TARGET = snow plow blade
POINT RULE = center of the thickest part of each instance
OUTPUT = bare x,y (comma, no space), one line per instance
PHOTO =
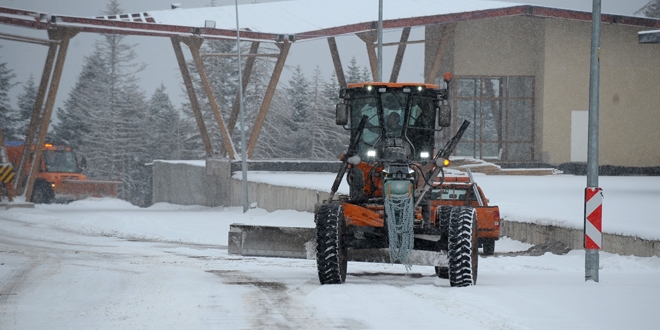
299,243
81,189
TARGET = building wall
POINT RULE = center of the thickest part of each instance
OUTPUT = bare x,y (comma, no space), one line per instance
507,46
556,52
629,92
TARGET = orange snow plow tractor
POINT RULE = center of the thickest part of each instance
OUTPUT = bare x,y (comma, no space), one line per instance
394,211
59,175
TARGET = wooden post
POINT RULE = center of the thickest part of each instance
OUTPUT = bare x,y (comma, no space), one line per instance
194,103
270,91
336,60
194,43
447,33
37,113
247,71
64,35
405,34
369,39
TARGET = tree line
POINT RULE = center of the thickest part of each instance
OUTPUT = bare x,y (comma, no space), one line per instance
108,118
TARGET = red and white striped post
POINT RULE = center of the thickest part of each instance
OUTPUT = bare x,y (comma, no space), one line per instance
593,218
593,229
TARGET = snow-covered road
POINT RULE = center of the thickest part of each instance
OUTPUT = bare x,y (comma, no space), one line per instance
108,265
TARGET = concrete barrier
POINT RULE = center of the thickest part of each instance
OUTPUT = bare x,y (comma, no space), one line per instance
574,238
212,185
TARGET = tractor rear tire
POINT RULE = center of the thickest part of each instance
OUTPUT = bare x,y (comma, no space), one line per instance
331,250
463,247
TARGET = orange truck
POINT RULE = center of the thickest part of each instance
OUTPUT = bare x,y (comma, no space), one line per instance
463,191
59,175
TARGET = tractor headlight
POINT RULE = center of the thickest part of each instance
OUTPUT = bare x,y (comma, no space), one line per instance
424,154
371,153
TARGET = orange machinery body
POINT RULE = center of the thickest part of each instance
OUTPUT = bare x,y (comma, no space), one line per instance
66,185
373,215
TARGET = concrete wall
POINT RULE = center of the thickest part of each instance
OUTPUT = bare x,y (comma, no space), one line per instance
574,239
212,186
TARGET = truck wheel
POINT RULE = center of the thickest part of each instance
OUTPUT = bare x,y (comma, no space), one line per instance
442,272
331,252
41,193
442,219
489,247
463,248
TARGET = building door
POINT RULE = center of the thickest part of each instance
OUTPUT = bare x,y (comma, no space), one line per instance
501,112
579,136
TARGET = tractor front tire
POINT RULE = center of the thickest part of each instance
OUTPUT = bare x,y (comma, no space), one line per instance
331,250
42,193
463,247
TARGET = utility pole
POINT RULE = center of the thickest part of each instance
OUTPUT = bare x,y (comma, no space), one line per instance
246,204
593,194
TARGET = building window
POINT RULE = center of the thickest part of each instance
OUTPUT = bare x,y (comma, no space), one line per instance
501,113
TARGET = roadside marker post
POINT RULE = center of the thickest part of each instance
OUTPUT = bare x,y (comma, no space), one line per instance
593,230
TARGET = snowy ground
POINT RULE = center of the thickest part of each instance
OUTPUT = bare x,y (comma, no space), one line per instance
105,264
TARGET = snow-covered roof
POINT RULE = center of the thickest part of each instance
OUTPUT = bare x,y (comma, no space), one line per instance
306,19
300,16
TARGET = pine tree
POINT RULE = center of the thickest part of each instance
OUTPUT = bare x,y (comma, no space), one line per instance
89,96
298,95
651,9
105,116
26,102
164,131
7,113
353,75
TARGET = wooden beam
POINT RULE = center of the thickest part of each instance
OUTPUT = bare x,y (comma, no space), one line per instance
268,97
369,39
247,72
336,60
396,67
447,34
194,103
64,35
194,43
37,113
404,43
250,55
245,78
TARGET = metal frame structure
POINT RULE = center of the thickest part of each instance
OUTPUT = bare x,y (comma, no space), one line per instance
62,28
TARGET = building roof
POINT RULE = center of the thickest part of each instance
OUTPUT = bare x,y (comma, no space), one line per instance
306,19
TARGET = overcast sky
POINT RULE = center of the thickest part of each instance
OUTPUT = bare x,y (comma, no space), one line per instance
27,59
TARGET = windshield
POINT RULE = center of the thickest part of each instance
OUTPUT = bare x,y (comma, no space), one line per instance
394,114
60,161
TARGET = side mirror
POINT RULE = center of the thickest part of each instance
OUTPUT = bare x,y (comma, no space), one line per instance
342,114
83,163
444,116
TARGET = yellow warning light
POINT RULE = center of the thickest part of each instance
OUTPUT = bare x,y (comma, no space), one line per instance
445,162
48,144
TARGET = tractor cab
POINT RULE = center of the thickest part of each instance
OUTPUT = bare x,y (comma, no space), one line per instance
398,138
401,119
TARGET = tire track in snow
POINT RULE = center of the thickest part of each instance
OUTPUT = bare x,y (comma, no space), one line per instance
14,282
273,305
